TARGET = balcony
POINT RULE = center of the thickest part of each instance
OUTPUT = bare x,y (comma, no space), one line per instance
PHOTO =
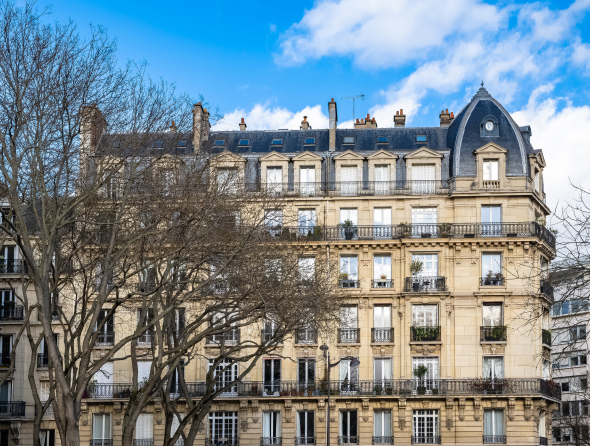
546,337
230,337
381,335
349,335
101,442
425,284
42,361
543,441
271,440
145,340
100,391
348,440
222,441
382,440
426,439
8,266
382,283
305,440
144,287
9,409
493,334
495,280
306,336
494,439
10,312
547,290
105,339
345,283
425,334
144,442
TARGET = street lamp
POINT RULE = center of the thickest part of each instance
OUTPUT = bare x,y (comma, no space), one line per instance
354,362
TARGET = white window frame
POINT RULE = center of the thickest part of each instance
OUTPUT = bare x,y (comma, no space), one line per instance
421,419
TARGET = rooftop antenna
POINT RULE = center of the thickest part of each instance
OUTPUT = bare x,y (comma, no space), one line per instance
360,96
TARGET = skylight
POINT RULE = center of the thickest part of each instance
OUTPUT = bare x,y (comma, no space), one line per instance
220,142
348,140
244,142
421,138
309,140
382,139
277,142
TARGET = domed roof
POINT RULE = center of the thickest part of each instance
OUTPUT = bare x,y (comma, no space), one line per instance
481,122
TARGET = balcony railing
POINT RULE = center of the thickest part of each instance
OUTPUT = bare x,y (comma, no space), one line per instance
493,334
349,283
102,442
12,409
423,284
424,334
492,281
13,266
348,440
271,440
100,391
5,361
382,283
547,289
546,337
381,335
11,312
222,441
42,361
349,335
306,336
543,441
143,442
105,338
494,439
229,337
383,440
305,440
426,439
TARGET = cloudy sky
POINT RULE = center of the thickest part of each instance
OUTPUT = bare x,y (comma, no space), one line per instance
273,62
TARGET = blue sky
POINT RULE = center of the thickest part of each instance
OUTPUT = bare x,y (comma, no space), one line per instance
273,62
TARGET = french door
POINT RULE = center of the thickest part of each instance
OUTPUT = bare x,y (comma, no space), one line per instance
425,426
382,182
307,181
272,376
382,223
305,427
223,428
274,180
271,428
224,376
430,379
348,181
423,179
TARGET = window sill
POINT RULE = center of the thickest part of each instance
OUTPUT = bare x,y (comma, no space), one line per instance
348,344
425,342
493,342
384,344
304,345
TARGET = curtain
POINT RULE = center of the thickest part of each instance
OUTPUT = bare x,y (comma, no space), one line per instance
499,422
387,369
266,420
487,368
498,368
343,370
488,422
378,424
299,422
386,424
42,437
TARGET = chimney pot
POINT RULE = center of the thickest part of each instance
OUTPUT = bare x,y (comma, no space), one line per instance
198,103
305,118
242,120
243,125
358,120
332,99
399,120
401,111
368,115
373,118
446,110
452,115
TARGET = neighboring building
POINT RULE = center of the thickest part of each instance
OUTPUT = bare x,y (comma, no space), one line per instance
463,198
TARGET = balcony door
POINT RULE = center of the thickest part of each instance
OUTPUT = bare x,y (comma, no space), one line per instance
223,427
101,429
493,426
274,179
348,180
348,377
5,394
7,304
349,268
423,178
106,335
382,223
306,220
493,367
382,426
382,180
425,426
305,427
306,374
491,221
381,271
382,372
492,315
351,215
104,380
7,257
273,221
348,427
424,222
307,181
144,428
272,376
430,379
348,324
6,350
225,374
429,264
271,428
382,323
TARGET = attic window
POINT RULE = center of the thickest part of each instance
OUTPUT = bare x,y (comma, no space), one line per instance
158,144
348,140
220,142
181,143
277,142
309,140
244,142
421,138
382,139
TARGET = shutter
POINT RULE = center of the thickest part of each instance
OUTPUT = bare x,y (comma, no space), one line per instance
145,427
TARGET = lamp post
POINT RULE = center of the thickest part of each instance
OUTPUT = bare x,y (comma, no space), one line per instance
354,362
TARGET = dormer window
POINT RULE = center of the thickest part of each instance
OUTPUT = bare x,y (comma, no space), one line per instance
381,139
220,142
158,144
489,127
309,140
348,140
244,142
181,143
490,170
277,142
421,138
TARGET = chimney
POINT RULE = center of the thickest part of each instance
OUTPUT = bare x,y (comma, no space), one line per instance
173,128
201,126
92,126
368,123
243,125
305,124
399,119
333,115
445,118
452,118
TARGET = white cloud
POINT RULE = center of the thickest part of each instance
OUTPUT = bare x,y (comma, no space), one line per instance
559,129
581,56
265,117
272,27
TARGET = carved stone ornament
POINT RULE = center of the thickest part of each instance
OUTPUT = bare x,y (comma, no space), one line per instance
243,404
402,424
254,405
449,423
366,418
462,409
244,425
15,430
84,414
321,404
477,409
202,428
288,404
528,405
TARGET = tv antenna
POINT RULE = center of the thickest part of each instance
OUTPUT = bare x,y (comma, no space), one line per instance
360,96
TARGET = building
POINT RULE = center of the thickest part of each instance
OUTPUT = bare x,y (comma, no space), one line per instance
429,225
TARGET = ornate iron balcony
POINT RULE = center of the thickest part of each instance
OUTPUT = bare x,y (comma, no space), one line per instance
42,361
348,440
271,440
494,439
424,334
547,289
349,335
350,284
383,440
382,283
8,266
381,335
105,338
101,442
9,409
222,441
305,440
143,442
10,312
493,334
100,391
229,337
423,284
492,281
426,439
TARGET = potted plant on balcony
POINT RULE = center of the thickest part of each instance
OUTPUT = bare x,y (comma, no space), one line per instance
499,278
416,267
349,227
488,278
499,332
406,229
444,229
419,373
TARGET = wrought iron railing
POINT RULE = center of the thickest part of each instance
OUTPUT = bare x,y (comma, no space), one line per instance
8,266
350,283
143,442
543,441
230,337
546,337
42,361
106,338
426,439
381,335
10,312
12,409
422,284
222,441
492,281
424,334
306,336
493,334
547,289
382,283
271,440
494,439
383,440
305,440
101,442
348,440
100,391
5,361
349,335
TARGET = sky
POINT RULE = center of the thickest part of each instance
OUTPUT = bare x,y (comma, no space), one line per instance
274,62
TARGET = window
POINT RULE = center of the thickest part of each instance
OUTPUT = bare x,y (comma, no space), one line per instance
348,140
429,264
305,427
491,219
274,179
574,408
346,216
144,429
565,386
381,270
272,376
46,438
382,223
382,178
306,373
6,350
490,170
106,334
104,380
309,140
271,428
537,181
307,181
424,222
423,179
570,307
306,220
382,316
147,317
306,268
382,371
158,144
348,180
421,138
273,221
227,179
382,427
244,142
6,392
348,376
144,370
176,377
577,333
492,315
348,319
493,367
182,143
348,427
430,379
223,427
491,267
562,434
349,268
101,429
117,144
224,374
493,426
382,139
277,142
220,142
425,426
576,359
425,315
